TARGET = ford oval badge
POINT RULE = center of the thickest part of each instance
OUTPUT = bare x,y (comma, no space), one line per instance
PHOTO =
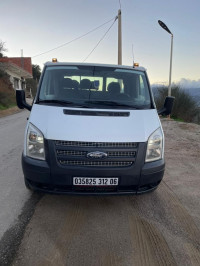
97,155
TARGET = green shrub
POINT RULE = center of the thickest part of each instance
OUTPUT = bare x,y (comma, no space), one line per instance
7,93
31,84
185,107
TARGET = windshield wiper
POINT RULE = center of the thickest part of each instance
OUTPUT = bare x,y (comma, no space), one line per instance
64,103
112,103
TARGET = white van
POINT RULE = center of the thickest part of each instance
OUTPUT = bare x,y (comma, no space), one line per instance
93,129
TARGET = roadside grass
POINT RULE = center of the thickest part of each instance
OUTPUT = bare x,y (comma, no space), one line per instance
178,119
7,107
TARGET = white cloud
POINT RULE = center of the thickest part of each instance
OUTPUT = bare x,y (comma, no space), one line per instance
183,83
189,84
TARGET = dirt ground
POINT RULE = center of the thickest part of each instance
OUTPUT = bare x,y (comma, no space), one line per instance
158,228
182,153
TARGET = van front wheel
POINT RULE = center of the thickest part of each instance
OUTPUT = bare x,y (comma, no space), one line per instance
27,184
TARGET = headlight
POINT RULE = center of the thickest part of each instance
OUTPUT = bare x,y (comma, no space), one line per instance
155,146
35,143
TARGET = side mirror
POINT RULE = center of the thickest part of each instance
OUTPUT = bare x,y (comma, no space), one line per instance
168,105
21,100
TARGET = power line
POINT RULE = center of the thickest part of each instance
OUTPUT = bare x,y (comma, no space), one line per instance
75,39
100,39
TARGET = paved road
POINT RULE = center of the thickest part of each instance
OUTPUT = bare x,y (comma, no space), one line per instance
159,228
16,202
13,194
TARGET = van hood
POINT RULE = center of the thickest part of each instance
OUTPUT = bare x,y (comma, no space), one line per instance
55,125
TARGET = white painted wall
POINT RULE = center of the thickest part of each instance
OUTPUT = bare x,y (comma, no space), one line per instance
12,77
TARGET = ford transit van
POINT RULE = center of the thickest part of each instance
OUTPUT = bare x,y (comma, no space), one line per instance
93,129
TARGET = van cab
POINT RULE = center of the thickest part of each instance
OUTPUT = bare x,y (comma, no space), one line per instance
93,129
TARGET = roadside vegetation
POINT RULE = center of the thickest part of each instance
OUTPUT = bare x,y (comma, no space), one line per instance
185,107
2,48
7,94
31,84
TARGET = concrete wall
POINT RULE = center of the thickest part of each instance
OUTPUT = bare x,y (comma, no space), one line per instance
15,80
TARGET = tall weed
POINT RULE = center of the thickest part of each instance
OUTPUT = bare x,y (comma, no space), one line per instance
7,93
184,108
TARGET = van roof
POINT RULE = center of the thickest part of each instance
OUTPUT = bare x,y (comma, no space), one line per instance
93,64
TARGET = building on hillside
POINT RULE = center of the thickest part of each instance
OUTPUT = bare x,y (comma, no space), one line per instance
18,68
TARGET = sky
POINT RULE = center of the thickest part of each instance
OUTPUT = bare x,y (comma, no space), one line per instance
38,26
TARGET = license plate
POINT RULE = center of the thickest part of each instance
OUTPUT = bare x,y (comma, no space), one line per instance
95,181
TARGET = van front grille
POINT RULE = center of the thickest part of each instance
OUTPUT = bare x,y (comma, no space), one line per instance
77,153
95,163
96,144
84,153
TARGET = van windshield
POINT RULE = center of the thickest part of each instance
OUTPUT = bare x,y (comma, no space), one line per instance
95,87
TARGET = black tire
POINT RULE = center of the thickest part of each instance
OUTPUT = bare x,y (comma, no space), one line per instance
27,184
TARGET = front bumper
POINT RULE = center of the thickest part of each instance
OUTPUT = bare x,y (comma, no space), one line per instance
132,180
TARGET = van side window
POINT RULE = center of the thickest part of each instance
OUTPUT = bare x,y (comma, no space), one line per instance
120,81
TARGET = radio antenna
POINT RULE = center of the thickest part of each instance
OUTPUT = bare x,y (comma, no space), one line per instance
132,54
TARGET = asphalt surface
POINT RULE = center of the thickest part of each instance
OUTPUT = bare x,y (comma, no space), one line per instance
16,202
13,194
158,228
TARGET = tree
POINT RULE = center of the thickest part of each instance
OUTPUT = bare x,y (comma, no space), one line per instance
7,94
36,72
31,84
2,48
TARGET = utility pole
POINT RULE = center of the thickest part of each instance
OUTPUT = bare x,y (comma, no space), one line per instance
170,68
119,38
22,58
